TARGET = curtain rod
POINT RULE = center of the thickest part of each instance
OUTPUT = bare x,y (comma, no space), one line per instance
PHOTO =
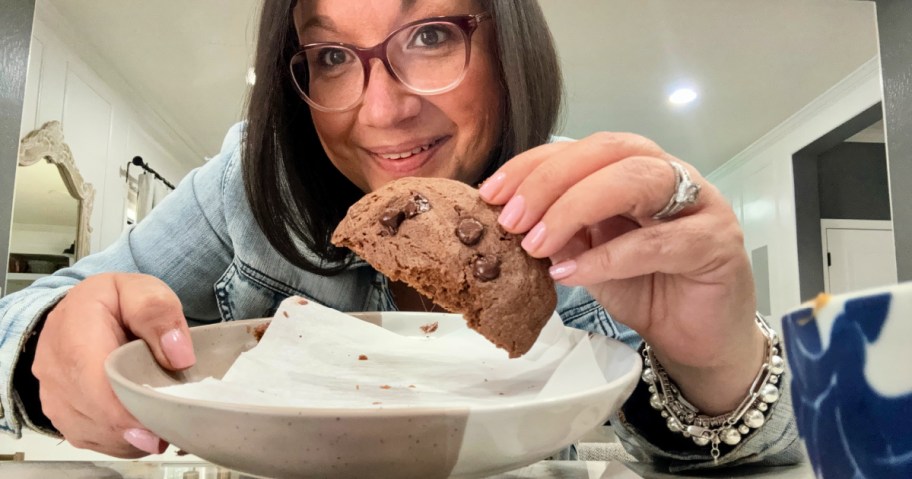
138,161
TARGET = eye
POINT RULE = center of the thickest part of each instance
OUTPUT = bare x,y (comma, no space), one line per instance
430,36
330,57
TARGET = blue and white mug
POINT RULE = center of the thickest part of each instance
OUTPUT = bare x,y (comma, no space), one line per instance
851,365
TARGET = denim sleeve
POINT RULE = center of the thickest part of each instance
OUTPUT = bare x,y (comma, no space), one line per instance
183,241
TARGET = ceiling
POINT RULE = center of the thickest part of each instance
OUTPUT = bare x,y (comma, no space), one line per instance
754,63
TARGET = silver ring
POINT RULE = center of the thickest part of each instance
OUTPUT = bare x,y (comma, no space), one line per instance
686,193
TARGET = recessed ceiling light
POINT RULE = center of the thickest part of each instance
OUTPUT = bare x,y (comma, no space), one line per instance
251,76
682,96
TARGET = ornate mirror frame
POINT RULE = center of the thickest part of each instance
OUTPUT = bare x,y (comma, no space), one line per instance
46,143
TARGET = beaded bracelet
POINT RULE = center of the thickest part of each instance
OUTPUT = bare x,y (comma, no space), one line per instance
704,430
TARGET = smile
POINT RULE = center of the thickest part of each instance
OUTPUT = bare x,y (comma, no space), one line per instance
407,159
406,154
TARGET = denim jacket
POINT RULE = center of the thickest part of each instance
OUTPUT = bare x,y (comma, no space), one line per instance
203,241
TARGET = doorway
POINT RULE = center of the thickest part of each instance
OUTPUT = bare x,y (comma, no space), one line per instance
857,254
843,176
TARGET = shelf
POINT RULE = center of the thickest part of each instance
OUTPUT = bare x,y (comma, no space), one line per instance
24,276
31,266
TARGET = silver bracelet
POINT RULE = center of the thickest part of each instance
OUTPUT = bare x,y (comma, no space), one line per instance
704,430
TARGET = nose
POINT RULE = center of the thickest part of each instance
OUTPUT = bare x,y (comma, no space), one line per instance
387,103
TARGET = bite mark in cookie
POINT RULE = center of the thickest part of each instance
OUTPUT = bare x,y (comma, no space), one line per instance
440,237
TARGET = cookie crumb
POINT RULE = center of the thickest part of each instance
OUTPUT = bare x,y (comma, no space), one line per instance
429,327
259,331
302,301
285,313
386,386
362,357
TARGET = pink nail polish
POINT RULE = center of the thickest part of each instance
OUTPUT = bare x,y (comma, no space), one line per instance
143,440
562,270
534,238
177,349
512,212
492,186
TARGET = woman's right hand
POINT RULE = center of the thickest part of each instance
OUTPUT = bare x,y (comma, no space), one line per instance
96,316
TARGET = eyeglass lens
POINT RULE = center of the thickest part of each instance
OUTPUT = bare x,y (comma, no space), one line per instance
427,58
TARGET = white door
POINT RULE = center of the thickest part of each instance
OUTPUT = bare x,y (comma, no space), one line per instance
857,254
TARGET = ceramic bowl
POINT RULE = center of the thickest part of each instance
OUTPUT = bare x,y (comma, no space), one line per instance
429,442
851,365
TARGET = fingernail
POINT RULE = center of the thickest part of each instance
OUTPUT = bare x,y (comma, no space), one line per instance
512,212
534,238
143,440
178,349
562,270
492,186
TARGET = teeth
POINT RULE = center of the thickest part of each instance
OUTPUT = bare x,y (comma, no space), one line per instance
406,154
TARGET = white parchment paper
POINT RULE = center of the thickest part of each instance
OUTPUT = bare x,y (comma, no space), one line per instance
309,357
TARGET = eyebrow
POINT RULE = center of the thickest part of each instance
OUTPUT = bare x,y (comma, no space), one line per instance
407,5
321,21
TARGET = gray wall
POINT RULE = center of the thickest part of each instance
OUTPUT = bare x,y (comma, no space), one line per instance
15,38
852,179
894,23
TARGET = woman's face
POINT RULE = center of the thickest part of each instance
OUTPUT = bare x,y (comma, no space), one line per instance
452,133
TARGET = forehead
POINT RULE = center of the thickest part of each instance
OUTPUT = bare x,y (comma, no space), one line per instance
367,21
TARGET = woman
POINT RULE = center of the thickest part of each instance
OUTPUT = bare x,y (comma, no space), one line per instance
349,96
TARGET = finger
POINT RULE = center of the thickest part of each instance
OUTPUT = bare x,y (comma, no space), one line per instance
83,432
120,429
587,238
690,245
577,244
635,188
151,311
100,418
542,185
74,391
500,186
145,440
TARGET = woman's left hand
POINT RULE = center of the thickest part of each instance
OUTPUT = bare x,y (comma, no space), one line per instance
684,283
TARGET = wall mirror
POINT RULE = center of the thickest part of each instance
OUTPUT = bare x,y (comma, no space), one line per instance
52,208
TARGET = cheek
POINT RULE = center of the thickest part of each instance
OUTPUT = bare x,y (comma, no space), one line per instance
334,131
483,112
329,129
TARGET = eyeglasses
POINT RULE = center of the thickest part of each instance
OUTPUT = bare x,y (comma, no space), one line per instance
428,57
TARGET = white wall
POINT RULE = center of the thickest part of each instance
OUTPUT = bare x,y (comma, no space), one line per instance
758,181
41,239
105,125
104,121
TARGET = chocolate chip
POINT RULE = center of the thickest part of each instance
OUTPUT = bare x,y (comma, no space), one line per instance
391,219
486,267
419,204
469,231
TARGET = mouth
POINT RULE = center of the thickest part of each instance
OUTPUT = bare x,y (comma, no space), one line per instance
406,159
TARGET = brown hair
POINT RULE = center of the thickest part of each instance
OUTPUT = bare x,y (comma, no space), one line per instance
296,194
